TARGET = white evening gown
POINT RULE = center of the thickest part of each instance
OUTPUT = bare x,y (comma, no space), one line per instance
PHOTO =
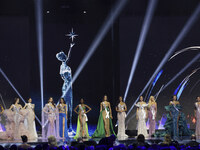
15,127
30,121
141,126
121,121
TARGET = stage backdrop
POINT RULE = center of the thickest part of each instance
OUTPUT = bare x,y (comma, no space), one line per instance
162,33
107,71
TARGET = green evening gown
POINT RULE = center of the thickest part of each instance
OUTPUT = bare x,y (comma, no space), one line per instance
100,131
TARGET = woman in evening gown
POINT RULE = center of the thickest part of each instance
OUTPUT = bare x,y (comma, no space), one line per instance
82,127
62,108
152,111
104,125
30,119
121,115
141,116
197,115
15,117
50,120
176,124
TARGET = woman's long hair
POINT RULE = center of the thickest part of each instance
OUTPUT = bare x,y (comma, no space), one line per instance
15,100
28,99
106,99
173,97
151,98
63,101
119,100
52,102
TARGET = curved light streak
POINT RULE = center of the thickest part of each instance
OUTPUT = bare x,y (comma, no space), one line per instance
182,88
194,48
156,96
194,86
187,77
182,34
176,76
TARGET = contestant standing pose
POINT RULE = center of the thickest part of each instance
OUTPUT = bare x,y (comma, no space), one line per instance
19,116
15,122
152,111
31,119
82,128
104,126
141,116
121,115
176,123
62,108
50,119
197,115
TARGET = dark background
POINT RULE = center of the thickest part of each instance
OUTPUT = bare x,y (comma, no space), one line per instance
108,69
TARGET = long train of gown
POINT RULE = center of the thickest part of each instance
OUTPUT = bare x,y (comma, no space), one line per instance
104,125
15,127
82,127
49,128
176,124
30,121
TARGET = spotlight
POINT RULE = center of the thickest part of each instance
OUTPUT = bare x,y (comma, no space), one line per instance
154,82
180,37
100,35
182,88
143,34
7,79
194,86
182,70
177,75
39,33
187,77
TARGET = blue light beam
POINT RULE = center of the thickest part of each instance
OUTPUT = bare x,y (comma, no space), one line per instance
181,89
187,77
154,83
143,34
39,33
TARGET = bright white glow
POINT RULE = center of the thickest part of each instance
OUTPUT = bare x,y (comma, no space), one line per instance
180,37
143,34
39,33
7,79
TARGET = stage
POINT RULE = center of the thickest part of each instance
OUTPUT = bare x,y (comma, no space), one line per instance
90,142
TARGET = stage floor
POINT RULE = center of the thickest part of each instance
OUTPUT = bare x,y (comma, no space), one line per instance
125,141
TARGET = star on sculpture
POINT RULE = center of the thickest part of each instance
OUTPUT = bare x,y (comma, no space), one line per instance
71,35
